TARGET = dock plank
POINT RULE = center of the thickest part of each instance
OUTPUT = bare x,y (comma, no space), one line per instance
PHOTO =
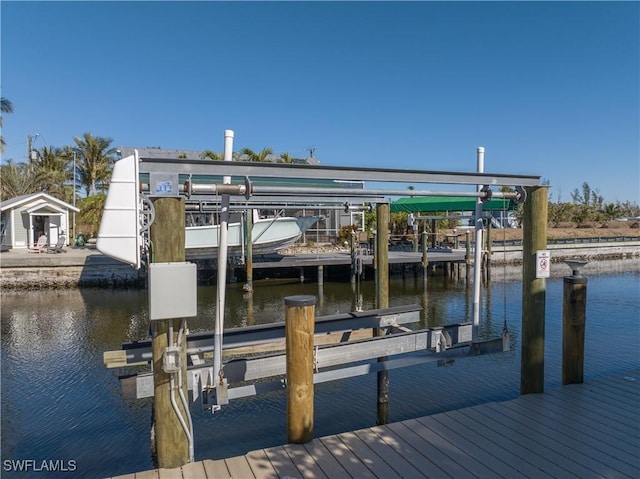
475,445
347,458
325,460
411,452
281,462
304,462
388,454
439,454
572,453
624,435
498,444
239,467
598,448
216,468
521,444
584,431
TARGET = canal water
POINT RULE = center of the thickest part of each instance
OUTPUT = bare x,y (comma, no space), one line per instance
59,403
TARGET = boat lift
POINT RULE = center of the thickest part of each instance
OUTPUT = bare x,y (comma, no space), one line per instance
214,384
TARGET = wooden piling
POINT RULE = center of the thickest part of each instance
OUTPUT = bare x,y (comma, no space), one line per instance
467,256
574,307
299,332
382,295
533,291
425,260
167,235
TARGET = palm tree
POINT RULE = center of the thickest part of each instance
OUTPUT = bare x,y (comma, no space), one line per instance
253,156
19,179
212,155
286,157
94,162
54,163
5,107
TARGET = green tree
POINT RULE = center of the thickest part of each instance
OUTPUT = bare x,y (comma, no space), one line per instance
286,157
588,196
253,156
91,208
53,162
5,107
20,179
94,163
212,155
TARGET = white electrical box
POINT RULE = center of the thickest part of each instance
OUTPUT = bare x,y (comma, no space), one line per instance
172,290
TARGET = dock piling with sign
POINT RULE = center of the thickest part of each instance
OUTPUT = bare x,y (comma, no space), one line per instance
534,291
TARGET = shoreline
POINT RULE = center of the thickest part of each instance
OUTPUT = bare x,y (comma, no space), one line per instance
80,268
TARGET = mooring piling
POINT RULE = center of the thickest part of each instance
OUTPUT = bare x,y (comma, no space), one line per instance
299,333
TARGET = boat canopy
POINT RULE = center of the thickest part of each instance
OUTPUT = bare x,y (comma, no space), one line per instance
427,204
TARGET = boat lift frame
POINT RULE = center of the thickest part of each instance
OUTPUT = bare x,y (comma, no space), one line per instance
454,339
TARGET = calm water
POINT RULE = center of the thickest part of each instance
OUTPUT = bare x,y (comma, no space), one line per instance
60,403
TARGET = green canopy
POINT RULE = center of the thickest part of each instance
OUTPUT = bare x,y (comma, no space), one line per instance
424,204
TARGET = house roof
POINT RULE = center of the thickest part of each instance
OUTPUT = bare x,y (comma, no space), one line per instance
30,198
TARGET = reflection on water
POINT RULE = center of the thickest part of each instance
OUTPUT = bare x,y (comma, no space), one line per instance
60,403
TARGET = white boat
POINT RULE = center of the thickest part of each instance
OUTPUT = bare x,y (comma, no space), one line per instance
268,236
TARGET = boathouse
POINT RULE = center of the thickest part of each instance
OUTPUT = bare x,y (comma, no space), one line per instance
25,218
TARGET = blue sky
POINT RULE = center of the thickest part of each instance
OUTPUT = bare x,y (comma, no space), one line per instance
548,88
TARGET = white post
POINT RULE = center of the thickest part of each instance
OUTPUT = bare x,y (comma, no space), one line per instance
74,199
477,261
222,264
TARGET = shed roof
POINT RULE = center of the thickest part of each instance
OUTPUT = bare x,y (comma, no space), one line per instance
25,199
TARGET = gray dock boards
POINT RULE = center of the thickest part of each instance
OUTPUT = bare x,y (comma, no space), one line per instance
589,430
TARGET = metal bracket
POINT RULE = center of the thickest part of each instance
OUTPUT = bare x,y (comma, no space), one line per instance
521,194
486,189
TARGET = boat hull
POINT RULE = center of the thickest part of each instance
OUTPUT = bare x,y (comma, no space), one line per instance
268,236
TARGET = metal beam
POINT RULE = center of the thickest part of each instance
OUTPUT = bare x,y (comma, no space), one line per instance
275,170
199,343
141,386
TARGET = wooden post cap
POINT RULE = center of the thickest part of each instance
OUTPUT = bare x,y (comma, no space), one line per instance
300,300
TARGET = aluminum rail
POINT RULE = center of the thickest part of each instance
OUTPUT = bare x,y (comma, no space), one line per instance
249,189
272,170
440,343
198,343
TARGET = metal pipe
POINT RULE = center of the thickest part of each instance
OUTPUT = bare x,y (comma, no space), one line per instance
185,404
222,264
241,190
188,431
477,254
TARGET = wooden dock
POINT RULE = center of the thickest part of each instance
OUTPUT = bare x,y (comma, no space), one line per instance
589,430
332,259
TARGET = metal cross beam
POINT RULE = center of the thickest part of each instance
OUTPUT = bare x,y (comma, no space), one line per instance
275,170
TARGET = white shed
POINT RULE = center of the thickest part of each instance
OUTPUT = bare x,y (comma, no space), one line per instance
24,218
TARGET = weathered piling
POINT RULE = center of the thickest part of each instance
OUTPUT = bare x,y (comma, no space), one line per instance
534,291
467,256
382,295
425,260
299,331
167,236
574,306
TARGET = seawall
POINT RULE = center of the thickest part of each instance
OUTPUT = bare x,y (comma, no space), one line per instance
88,268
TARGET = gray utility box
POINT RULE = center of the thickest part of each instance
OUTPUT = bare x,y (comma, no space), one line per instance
172,290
